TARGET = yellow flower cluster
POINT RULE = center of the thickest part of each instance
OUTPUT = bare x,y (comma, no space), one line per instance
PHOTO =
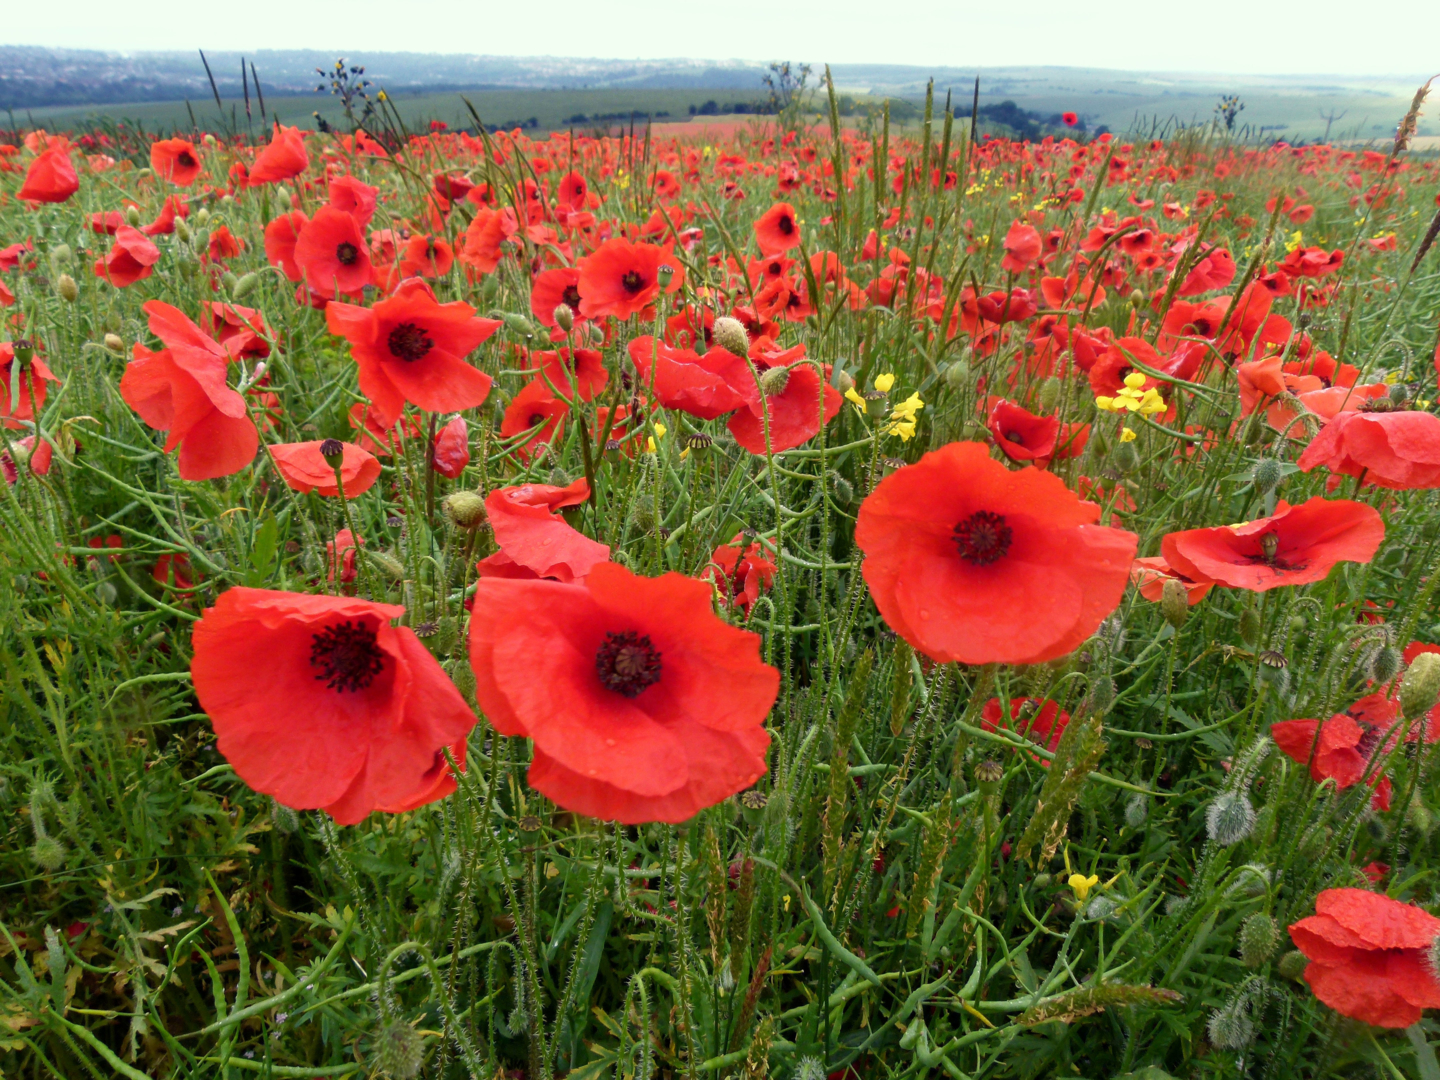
901,420
1133,397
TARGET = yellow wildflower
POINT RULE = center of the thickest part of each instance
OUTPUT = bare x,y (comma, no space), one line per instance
1082,885
1133,398
1126,435
883,383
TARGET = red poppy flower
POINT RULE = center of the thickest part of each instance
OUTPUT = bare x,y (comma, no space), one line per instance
1000,307
1039,720
777,229
354,197
182,390
305,469
552,288
1370,956
1399,450
131,259
51,177
741,570
1151,573
31,383
1346,744
970,562
1022,247
39,459
1311,262
224,244
1296,545
353,714
283,158
573,371
426,256
621,278
412,348
106,223
643,706
535,406
1023,436
340,554
488,230
783,412
534,540
173,569
681,379
176,160
1214,270
331,253
281,236
451,452
241,330
1069,119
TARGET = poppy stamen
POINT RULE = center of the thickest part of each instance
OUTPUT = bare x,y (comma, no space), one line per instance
571,297
346,253
632,281
627,663
983,538
346,656
410,342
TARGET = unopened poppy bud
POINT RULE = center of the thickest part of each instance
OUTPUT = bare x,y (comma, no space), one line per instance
1249,626
464,509
956,375
842,380
518,324
283,194
463,676
182,229
844,491
1102,694
1137,298
1137,809
564,317
1230,818
66,288
132,216
227,201
387,564
597,335
1049,394
1420,688
61,257
229,280
333,451
1399,394
245,286
399,1051
1258,938
774,381
200,239
1267,474
1125,457
1042,881
203,216
642,514
1292,965
284,818
208,139
730,335
1174,602
114,343
48,853
1231,1028
664,274
1385,663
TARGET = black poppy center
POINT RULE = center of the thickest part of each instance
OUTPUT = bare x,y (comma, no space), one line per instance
184,158
536,418
347,253
785,225
346,656
410,342
571,297
1014,437
632,281
983,538
627,663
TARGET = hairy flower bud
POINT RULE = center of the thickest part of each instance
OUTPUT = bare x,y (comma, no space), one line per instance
1175,602
464,509
1292,965
399,1051
245,285
1125,458
48,853
1420,688
66,289
1250,626
1267,474
956,375
1385,663
1258,938
1230,818
1231,1028
1049,394
114,343
774,381
564,317
730,335
1137,809
132,216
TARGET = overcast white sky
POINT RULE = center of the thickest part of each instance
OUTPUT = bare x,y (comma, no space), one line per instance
1378,37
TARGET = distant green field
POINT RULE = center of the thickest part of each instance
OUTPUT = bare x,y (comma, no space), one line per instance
1122,102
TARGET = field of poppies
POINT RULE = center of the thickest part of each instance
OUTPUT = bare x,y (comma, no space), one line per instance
822,601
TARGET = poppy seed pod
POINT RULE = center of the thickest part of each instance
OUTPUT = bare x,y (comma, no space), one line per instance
730,335
1420,688
464,509
664,274
333,451
66,288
